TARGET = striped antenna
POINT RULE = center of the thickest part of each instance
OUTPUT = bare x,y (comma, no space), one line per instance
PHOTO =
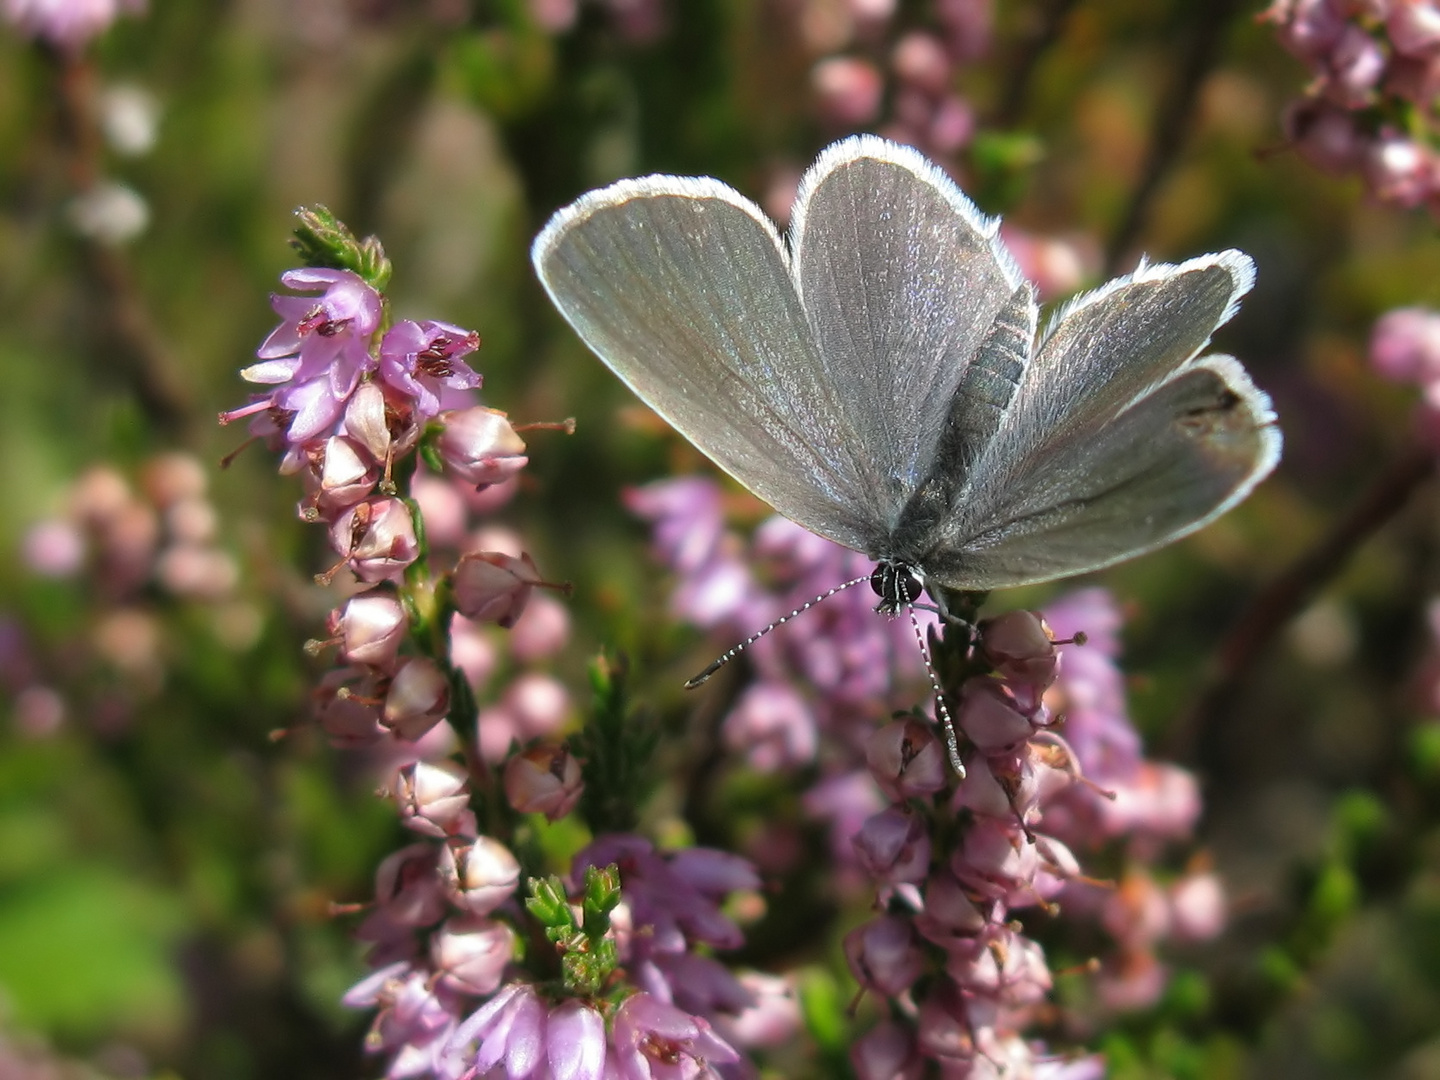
736,650
952,742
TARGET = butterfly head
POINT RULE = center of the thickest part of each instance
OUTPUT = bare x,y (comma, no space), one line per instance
897,583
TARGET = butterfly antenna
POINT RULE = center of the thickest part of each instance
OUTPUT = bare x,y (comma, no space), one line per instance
952,741
736,650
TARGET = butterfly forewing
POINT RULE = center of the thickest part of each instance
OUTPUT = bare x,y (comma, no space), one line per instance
683,288
901,279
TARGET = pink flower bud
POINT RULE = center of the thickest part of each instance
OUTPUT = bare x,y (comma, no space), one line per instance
371,627
773,725
883,956
479,445
1197,907
1001,965
376,538
1405,345
1021,647
54,549
366,421
848,89
478,875
997,861
407,886
1401,170
906,760
192,521
339,473
491,587
1000,785
542,629
1414,27
470,954
886,1052
418,698
920,59
543,780
1355,65
991,717
173,477
350,718
949,913
196,571
1326,135
894,846
432,796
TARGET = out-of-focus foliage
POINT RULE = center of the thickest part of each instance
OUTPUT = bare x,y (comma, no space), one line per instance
168,862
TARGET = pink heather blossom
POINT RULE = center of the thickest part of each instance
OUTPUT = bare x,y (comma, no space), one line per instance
544,779
906,760
478,875
370,628
883,955
432,797
494,587
376,538
417,698
848,89
471,953
317,354
68,24
422,361
656,1041
480,446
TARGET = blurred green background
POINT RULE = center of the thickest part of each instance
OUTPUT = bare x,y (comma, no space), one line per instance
166,867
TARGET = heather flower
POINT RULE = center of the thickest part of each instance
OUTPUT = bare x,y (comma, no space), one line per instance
417,698
370,628
422,361
493,587
478,875
654,1040
376,538
470,954
69,24
480,446
543,780
432,797
318,353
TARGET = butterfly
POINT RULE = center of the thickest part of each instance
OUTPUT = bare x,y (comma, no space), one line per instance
881,377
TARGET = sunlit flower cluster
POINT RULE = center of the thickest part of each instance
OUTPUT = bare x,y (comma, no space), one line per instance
127,549
1052,762
1370,106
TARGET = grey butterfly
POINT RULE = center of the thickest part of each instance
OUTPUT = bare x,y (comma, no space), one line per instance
878,378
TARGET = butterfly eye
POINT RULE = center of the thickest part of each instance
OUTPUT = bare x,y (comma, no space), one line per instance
897,584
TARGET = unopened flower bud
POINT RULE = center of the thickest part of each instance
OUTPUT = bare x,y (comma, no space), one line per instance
432,796
418,698
543,780
376,538
493,587
1021,647
478,875
197,571
894,846
1197,907
991,717
339,473
883,956
370,627
366,421
886,1052
470,954
906,760
350,719
480,446
172,477
950,914
407,887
